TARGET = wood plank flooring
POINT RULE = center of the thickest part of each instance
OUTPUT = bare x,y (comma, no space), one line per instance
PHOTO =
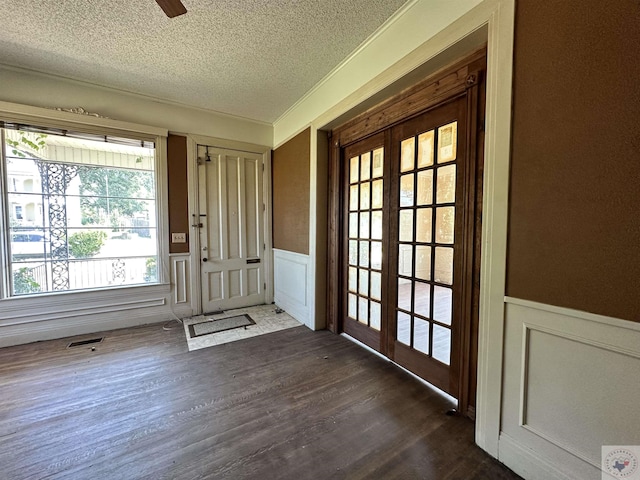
293,404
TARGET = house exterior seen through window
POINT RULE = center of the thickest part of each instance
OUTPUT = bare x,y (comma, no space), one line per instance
81,211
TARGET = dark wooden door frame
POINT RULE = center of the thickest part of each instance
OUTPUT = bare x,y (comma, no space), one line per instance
464,78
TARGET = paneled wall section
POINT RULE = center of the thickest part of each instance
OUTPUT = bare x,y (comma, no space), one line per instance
569,389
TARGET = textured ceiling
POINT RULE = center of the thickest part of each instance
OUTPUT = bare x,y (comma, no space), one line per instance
251,58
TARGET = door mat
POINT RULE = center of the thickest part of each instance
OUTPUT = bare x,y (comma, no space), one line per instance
209,327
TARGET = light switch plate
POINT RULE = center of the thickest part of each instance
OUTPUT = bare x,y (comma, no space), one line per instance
178,238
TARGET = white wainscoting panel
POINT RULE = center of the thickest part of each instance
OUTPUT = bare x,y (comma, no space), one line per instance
570,386
291,282
44,317
181,285
179,279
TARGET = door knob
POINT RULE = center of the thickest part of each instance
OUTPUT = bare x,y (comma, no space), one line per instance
205,259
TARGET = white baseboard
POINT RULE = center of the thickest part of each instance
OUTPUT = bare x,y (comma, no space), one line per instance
526,462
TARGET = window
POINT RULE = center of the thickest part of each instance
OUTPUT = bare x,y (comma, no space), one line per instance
84,210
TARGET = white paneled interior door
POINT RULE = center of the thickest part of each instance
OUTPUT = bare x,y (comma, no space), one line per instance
232,228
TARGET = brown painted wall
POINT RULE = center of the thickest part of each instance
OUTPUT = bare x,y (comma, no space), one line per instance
291,194
574,227
178,199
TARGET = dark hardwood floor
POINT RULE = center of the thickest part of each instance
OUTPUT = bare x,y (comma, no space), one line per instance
294,404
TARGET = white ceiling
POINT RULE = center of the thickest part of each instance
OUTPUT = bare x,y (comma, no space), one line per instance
251,58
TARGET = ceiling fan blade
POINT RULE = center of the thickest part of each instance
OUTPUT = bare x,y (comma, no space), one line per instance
172,8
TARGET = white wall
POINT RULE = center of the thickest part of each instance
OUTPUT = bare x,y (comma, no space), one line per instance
180,275
40,90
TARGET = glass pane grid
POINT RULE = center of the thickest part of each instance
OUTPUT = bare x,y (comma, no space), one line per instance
365,235
426,221
81,214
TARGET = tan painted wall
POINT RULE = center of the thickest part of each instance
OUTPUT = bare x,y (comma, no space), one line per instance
178,193
574,227
291,194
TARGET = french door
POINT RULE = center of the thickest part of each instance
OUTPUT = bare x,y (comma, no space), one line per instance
408,233
427,230
366,210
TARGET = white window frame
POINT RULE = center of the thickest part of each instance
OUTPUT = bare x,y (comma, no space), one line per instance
92,124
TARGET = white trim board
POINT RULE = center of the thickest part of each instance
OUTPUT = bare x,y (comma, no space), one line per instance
81,325
569,312
30,114
73,313
526,462
499,16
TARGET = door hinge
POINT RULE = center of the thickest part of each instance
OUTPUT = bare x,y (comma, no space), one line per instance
265,286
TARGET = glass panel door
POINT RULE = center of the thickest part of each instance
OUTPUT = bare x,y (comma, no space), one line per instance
405,223
427,238
365,200
404,213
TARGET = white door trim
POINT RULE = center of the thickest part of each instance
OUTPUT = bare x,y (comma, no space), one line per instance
499,16
194,209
